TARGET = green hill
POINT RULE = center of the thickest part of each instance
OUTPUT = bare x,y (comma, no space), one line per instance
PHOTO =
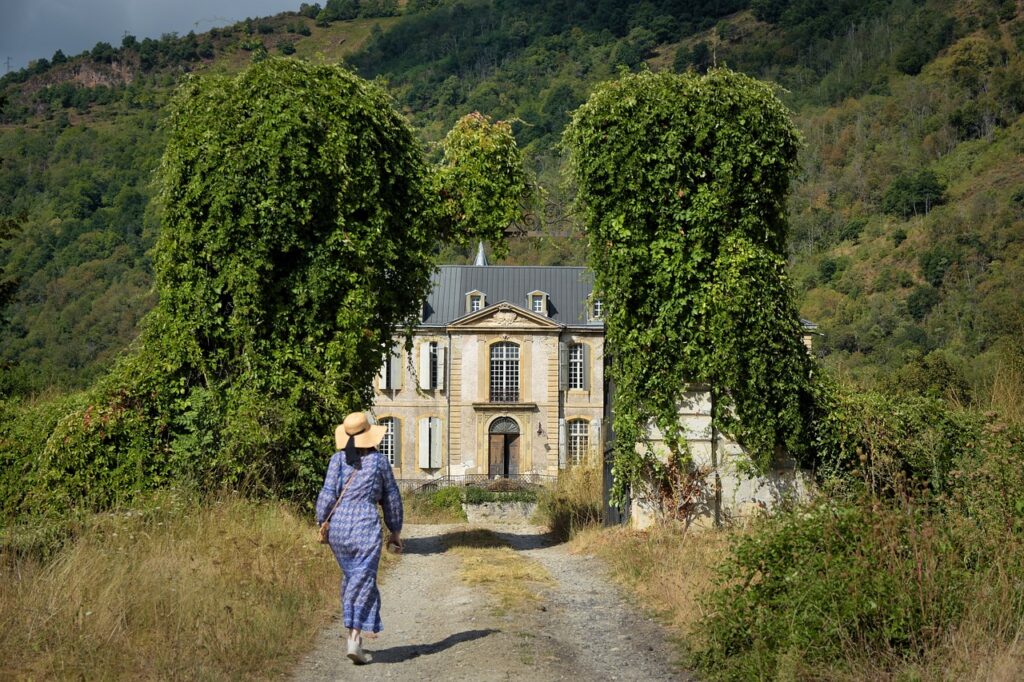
907,217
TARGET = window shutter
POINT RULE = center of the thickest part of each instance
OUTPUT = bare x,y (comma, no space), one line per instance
563,367
561,444
396,425
382,376
423,444
586,366
435,443
396,370
596,447
424,366
442,367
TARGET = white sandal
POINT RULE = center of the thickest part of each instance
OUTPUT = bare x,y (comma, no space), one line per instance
356,653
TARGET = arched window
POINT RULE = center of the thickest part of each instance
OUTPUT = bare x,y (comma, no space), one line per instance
504,425
579,440
388,445
505,372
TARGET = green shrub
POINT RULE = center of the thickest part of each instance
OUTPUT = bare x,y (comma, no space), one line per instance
877,583
439,506
889,444
921,301
828,583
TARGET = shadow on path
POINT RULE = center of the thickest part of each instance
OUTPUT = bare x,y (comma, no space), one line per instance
437,544
398,654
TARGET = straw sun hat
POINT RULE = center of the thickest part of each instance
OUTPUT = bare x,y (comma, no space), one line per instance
367,435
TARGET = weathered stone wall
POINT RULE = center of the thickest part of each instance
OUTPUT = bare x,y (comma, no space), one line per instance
743,495
500,512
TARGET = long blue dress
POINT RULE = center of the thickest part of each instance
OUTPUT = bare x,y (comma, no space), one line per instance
355,536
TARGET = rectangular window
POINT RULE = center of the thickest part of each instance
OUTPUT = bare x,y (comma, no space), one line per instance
505,372
576,366
579,441
387,444
433,365
475,303
538,304
598,309
390,377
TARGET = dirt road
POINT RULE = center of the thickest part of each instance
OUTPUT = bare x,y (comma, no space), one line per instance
436,627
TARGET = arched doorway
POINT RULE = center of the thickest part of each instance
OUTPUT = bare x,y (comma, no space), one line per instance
503,448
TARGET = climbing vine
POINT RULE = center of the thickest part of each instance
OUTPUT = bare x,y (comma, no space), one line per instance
300,222
682,181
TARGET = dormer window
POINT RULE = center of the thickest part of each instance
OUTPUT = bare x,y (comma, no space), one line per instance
597,311
538,302
475,301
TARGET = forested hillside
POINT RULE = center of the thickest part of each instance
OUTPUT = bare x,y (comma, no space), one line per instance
907,218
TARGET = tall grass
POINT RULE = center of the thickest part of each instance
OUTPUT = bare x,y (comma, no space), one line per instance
173,589
669,570
574,503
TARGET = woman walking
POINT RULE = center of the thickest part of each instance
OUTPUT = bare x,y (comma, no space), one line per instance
362,478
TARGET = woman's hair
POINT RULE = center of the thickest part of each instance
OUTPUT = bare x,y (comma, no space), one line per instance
353,455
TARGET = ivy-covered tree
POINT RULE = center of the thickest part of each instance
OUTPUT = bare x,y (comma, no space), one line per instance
299,226
682,183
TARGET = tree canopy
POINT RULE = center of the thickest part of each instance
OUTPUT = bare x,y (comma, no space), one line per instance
682,184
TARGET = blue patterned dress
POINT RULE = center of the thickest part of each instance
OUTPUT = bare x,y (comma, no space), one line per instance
355,535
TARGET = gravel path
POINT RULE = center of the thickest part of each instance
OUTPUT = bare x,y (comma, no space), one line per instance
438,628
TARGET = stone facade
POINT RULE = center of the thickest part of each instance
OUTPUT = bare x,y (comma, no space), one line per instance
502,390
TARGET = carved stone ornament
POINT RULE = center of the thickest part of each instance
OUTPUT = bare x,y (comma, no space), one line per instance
505,318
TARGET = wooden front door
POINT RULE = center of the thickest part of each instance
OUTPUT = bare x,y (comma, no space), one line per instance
503,455
495,458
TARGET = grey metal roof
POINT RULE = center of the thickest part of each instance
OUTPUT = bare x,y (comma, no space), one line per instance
568,290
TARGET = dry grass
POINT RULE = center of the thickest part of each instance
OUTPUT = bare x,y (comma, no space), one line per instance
574,503
670,571
229,589
1007,392
667,569
512,579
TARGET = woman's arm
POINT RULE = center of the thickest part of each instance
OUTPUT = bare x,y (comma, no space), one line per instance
391,499
329,493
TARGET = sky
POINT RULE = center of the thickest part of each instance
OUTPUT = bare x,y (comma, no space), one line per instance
30,29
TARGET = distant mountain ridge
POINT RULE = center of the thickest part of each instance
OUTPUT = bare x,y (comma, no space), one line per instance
907,218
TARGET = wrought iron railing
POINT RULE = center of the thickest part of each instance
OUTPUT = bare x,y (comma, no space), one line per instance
504,395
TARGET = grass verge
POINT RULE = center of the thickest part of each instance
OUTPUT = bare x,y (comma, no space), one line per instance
511,579
670,571
171,589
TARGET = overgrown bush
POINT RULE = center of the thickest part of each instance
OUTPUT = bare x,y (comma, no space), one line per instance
889,444
817,586
926,517
299,227
439,506
575,501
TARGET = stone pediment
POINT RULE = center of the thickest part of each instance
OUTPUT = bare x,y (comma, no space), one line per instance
503,316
